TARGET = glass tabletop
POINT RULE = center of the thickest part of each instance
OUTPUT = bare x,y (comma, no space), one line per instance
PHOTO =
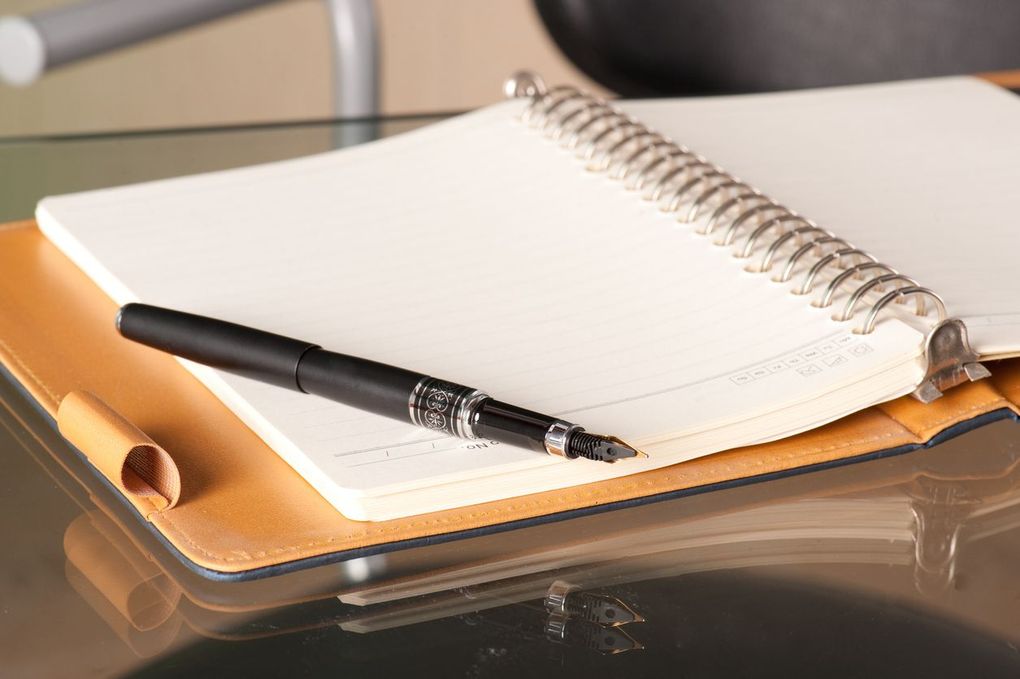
898,565
35,167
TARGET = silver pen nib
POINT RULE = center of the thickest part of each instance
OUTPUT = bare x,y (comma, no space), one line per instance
601,609
600,448
584,634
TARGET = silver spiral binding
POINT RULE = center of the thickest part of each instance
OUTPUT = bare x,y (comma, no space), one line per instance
777,241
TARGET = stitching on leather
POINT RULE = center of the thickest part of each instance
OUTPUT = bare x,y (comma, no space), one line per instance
529,505
28,371
739,466
16,359
963,411
13,355
951,415
899,422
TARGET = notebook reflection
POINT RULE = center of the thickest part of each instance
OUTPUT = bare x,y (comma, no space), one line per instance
921,529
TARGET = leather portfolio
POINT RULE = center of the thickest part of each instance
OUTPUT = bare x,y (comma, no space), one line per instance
231,508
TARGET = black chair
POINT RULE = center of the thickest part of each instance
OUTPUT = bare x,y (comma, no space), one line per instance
677,47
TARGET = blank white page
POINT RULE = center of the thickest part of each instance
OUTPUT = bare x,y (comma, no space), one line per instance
479,252
922,174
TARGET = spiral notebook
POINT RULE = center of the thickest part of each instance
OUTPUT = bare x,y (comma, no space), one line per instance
725,272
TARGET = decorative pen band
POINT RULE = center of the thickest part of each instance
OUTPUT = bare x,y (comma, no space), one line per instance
468,413
445,407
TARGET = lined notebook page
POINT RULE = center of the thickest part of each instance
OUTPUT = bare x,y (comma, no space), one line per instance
922,174
480,252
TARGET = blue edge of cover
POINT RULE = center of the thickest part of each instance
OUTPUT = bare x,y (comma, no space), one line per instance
334,557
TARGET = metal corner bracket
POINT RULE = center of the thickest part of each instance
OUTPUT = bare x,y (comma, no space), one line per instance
951,361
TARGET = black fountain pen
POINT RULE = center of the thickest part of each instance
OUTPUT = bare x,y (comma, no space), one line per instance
382,389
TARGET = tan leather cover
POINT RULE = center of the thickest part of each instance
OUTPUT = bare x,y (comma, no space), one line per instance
241,507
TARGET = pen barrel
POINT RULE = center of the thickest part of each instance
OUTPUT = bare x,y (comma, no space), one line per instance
386,390
376,387
244,351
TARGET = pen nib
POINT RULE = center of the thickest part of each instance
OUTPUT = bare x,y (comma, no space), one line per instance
601,609
600,448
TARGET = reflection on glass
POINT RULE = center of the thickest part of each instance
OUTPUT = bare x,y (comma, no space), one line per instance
925,530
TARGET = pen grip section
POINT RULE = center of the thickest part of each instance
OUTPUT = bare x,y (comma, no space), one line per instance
235,348
515,426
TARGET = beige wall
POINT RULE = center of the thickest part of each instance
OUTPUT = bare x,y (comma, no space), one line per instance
273,64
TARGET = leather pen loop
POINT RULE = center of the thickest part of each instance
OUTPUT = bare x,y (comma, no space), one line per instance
130,460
